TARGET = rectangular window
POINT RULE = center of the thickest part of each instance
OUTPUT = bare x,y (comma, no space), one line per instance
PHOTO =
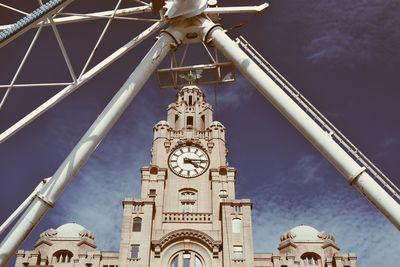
190,100
189,121
237,252
187,206
152,193
223,194
134,251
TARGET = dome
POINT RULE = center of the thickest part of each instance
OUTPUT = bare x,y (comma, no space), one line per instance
70,230
305,233
162,123
216,124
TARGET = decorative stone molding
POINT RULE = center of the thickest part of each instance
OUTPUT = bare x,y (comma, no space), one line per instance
195,235
187,217
287,235
86,233
49,233
326,236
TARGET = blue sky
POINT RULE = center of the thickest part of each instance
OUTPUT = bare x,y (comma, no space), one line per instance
342,55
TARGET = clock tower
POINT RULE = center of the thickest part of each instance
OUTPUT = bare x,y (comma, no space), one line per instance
187,215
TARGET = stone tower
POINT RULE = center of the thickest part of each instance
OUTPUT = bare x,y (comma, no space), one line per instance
188,212
187,215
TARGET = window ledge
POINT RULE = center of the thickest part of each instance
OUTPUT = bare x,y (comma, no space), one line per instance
133,259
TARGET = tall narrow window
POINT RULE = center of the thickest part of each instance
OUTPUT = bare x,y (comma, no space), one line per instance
188,200
310,259
236,226
190,100
137,224
197,262
238,252
134,251
186,259
174,262
63,256
189,121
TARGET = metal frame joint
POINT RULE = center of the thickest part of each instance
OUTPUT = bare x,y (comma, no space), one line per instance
45,200
355,176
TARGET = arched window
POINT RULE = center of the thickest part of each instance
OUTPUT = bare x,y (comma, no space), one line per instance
137,224
174,262
310,259
236,225
186,259
188,199
63,256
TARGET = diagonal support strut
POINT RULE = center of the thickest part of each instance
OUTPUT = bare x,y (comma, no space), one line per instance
87,144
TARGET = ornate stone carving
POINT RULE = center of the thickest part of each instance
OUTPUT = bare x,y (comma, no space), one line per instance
49,233
188,234
326,236
86,233
287,235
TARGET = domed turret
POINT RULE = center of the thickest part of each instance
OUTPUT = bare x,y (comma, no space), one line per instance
305,233
70,230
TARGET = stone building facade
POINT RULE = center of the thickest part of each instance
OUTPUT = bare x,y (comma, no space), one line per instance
187,215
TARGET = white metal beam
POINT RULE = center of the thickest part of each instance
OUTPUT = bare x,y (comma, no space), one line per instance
86,77
235,9
28,51
13,9
87,145
91,16
100,39
32,25
23,205
347,166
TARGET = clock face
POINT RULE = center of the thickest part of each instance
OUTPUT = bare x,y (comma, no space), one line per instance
188,161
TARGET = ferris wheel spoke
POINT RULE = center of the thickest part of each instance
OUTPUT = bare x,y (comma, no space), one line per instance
142,2
84,78
35,85
100,39
13,9
28,51
77,17
63,50
108,17
31,20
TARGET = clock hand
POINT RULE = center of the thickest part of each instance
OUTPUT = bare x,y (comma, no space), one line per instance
199,160
188,160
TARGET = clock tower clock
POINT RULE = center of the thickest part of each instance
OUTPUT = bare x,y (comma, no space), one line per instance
188,212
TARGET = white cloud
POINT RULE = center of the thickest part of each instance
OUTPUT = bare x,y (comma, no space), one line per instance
350,31
94,197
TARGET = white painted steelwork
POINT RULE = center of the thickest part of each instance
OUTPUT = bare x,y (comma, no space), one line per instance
87,145
353,172
320,119
23,205
83,79
124,12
